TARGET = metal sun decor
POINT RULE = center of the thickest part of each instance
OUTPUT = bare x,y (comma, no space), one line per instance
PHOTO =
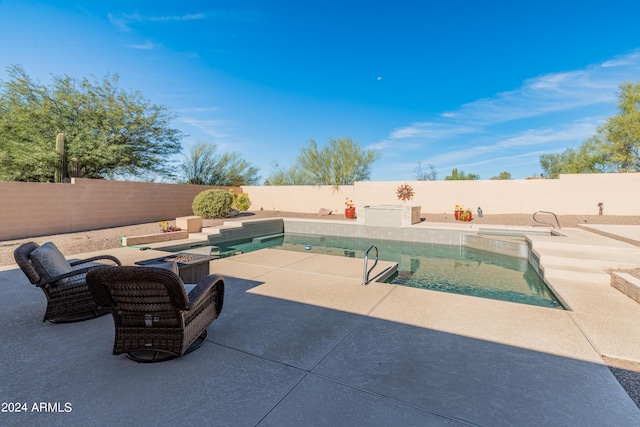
405,192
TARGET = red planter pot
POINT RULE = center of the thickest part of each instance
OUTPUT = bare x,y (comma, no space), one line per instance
350,213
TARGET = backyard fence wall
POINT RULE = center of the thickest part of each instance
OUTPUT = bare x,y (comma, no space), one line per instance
577,194
30,209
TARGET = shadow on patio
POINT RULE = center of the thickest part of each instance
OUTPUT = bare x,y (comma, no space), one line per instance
272,360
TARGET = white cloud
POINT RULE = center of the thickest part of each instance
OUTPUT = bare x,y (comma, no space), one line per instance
577,131
189,17
622,60
213,128
542,95
146,46
122,22
198,109
432,130
546,114
568,135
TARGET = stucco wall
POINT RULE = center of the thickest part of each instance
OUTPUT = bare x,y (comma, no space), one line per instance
30,209
570,194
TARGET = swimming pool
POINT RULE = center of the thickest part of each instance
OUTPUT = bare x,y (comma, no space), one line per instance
454,269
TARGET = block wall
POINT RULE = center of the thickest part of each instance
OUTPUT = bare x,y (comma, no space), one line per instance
29,209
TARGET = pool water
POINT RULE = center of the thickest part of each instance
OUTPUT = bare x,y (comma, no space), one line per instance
443,268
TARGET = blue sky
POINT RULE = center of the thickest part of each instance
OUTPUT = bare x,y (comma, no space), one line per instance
484,87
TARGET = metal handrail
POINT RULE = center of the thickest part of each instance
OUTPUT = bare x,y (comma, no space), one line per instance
544,222
365,276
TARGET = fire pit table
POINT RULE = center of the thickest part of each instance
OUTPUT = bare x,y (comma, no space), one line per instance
192,267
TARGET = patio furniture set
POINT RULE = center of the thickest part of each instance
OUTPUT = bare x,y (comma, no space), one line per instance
156,316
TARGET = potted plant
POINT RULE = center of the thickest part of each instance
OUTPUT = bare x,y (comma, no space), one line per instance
457,211
350,208
166,228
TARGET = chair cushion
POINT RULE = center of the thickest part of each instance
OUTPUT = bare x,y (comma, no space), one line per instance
49,261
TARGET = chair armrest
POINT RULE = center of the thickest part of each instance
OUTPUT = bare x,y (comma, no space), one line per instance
211,283
97,258
74,273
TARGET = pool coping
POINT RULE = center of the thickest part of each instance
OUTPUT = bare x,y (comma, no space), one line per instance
573,262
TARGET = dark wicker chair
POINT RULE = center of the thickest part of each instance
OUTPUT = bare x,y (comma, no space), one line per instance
154,318
68,296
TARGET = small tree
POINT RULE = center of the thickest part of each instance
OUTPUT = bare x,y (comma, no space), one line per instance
203,166
619,138
289,176
503,175
586,158
614,147
460,176
342,162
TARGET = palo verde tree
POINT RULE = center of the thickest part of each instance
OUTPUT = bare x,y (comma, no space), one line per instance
203,166
341,162
614,148
292,175
109,132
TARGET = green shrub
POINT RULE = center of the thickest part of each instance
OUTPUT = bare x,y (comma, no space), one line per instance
212,204
242,202
235,196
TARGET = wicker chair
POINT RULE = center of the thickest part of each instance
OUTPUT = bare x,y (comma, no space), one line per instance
154,318
68,297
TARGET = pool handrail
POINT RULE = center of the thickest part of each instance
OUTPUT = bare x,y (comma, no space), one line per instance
365,276
544,222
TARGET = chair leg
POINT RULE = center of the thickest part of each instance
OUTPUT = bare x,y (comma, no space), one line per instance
153,356
150,356
198,342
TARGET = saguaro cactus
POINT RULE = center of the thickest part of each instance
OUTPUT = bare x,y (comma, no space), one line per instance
61,171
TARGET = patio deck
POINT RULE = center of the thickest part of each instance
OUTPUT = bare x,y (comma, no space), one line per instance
301,342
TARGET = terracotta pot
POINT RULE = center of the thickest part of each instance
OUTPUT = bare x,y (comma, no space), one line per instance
350,213
456,214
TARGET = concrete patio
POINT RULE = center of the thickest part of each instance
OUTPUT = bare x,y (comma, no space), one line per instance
301,342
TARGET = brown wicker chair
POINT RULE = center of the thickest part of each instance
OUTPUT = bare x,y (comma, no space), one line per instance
154,318
68,297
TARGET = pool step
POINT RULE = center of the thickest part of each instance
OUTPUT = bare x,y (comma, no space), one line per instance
584,264
585,278
610,250
497,244
263,239
513,232
627,284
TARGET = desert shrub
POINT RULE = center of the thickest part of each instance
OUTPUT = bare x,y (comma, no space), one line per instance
212,204
242,202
